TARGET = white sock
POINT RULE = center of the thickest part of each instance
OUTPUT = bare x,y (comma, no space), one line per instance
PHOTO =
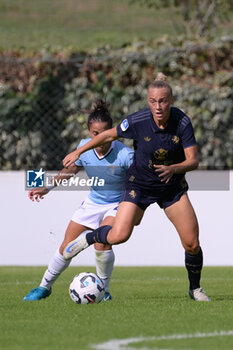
56,266
104,265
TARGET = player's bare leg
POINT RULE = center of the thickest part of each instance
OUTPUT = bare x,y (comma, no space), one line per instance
184,219
128,215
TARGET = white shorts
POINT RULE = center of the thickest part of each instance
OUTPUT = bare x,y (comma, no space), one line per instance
91,214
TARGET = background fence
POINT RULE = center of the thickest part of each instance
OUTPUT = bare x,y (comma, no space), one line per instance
44,100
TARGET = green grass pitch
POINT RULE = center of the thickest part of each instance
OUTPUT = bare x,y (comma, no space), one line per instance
150,310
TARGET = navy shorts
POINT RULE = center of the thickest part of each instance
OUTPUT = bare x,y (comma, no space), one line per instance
164,197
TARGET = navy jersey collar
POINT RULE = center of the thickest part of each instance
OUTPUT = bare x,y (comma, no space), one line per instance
155,127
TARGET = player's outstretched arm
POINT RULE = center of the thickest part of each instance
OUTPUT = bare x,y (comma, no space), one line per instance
104,137
66,173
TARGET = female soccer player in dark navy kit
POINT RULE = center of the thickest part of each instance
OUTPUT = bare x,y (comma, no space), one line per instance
165,149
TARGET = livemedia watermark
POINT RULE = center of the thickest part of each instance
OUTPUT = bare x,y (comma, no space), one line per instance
41,178
110,178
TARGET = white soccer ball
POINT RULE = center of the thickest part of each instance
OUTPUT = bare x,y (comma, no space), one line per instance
86,288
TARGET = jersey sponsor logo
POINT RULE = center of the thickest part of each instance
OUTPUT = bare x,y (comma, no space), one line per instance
147,139
124,125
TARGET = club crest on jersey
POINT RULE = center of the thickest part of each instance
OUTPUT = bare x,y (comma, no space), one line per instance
132,194
160,154
124,125
147,139
176,139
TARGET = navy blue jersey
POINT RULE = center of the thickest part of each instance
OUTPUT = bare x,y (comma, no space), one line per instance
156,146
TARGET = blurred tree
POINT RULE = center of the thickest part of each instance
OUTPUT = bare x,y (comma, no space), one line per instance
200,16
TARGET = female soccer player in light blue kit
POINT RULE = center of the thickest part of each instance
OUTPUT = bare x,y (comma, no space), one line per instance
109,163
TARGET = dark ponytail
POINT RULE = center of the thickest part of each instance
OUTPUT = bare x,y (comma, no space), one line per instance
100,113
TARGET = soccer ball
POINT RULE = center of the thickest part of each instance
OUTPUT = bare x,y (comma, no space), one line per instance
86,288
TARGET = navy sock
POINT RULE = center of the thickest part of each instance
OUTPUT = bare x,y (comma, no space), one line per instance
99,235
193,264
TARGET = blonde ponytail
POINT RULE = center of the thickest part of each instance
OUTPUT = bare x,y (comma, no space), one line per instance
161,77
160,82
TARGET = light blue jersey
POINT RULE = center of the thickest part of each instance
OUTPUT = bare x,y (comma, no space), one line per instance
111,168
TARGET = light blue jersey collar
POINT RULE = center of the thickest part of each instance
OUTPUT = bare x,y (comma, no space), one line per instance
105,155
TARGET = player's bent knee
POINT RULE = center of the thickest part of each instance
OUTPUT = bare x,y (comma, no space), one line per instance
192,249
115,237
118,240
137,222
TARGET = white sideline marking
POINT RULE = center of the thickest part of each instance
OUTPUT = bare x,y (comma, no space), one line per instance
23,282
112,280
122,344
